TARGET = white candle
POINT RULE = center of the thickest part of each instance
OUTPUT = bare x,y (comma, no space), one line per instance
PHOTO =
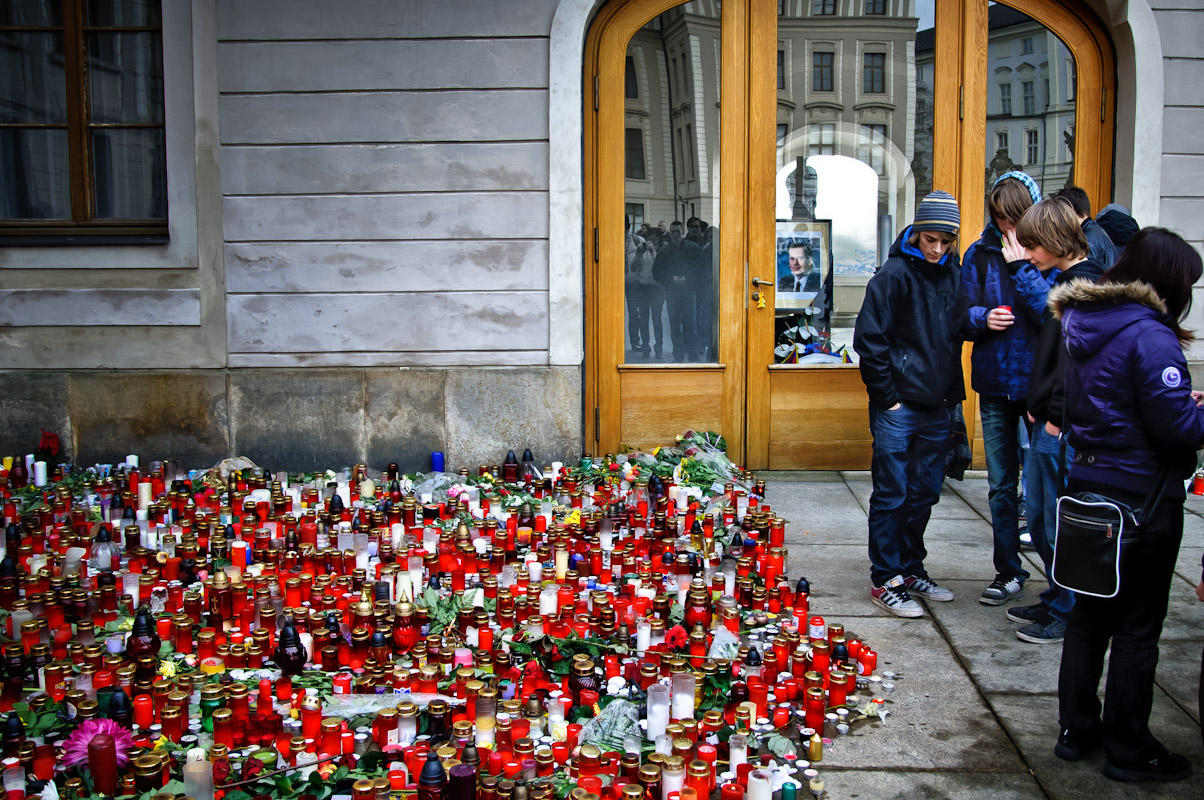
562,562
132,461
39,473
737,751
643,637
658,710
535,572
29,459
760,785
548,600
683,695
144,494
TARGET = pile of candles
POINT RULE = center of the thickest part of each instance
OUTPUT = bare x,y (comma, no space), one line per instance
461,635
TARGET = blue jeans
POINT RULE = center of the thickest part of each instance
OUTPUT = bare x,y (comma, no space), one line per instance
1000,420
908,470
1041,473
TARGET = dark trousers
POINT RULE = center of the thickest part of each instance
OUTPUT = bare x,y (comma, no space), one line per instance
637,321
681,321
1001,420
908,469
1132,623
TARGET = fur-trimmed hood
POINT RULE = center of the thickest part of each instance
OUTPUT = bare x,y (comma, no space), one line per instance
1093,314
1086,291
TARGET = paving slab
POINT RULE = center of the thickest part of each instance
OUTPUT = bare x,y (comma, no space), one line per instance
923,785
937,719
1179,673
986,641
950,506
973,491
1032,723
963,530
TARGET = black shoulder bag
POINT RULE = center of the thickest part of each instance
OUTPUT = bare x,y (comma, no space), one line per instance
1090,529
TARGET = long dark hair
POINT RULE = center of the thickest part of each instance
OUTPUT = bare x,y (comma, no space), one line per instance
1163,260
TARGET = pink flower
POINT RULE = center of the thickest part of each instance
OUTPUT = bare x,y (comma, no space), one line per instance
75,748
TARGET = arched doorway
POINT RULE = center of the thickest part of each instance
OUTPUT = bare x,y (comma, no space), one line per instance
797,132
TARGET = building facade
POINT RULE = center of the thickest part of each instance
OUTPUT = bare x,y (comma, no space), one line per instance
371,235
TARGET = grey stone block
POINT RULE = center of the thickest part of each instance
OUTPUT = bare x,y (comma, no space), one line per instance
387,65
986,639
325,118
491,411
1032,722
298,420
342,267
454,215
358,168
366,19
97,307
31,402
937,720
178,416
929,785
404,418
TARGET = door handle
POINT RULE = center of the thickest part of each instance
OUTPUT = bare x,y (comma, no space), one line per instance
759,282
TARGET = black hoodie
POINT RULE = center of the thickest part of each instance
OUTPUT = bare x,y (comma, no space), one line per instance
908,333
1045,391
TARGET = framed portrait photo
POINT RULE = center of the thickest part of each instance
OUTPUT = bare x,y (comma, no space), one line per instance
804,263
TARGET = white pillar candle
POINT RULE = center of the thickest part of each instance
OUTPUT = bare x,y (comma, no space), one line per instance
683,695
737,751
307,641
534,572
129,585
29,459
396,532
760,785
144,494
562,563
39,473
643,637
132,461
658,710
548,600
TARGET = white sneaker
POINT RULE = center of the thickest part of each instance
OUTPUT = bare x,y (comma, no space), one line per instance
927,588
894,598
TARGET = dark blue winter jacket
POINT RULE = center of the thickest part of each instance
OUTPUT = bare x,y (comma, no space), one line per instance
1002,360
1128,393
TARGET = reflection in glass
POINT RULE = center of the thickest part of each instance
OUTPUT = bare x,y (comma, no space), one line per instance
32,13
125,72
33,162
32,86
1030,102
671,246
130,178
124,13
855,157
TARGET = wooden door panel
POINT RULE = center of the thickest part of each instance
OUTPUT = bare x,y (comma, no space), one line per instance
658,400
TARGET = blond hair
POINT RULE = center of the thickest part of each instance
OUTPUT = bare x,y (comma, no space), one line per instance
1053,225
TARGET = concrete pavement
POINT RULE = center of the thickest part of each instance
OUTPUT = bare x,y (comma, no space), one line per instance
974,710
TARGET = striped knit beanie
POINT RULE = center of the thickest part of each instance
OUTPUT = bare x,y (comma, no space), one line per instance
937,212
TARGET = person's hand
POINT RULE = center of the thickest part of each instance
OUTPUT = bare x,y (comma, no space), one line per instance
1200,591
1031,419
1053,430
895,407
1012,249
1198,396
1000,319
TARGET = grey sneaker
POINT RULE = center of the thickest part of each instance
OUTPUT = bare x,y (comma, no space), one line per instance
1037,612
894,598
1050,631
1026,539
1000,591
927,588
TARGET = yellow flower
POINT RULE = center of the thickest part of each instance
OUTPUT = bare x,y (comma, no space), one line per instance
167,669
161,742
573,518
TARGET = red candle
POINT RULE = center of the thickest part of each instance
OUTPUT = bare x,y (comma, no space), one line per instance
144,712
102,762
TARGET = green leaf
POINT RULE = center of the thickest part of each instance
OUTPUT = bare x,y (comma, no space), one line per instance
339,774
780,746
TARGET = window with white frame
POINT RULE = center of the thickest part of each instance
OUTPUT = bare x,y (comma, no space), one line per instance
1028,93
871,147
1005,99
821,139
1032,148
1001,143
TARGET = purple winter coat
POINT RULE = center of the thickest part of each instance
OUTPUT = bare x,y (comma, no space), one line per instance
1128,392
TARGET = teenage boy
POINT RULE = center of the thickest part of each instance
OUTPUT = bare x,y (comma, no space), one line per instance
1050,237
1006,307
1099,247
908,336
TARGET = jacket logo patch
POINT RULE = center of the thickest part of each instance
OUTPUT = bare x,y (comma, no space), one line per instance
1171,378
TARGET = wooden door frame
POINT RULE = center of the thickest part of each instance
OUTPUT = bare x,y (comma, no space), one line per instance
961,87
605,53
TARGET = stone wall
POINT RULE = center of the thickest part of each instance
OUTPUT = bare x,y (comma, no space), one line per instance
297,419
